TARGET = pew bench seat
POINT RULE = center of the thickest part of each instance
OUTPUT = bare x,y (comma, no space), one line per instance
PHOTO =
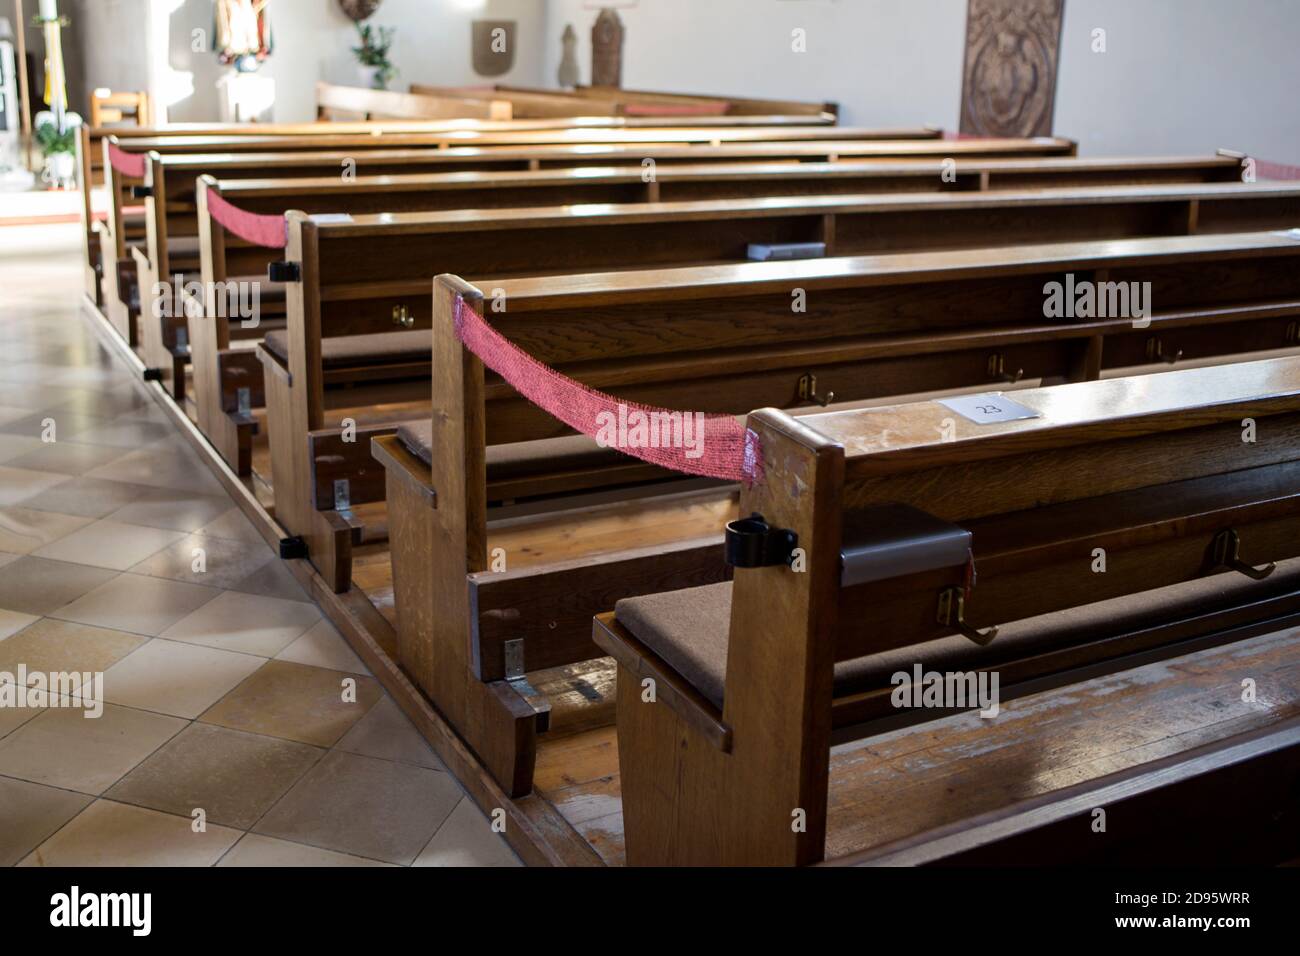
526,459
350,351
688,632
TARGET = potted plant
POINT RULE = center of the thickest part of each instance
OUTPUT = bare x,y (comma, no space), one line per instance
375,69
59,148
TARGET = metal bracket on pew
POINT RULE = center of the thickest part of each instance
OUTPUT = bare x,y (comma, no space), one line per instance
343,497
753,543
1156,352
281,271
808,390
517,678
997,369
1225,552
952,611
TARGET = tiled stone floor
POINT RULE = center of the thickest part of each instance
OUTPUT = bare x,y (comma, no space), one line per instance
223,685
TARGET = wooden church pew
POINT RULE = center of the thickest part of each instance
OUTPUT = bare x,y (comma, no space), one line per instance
503,245
754,679
118,302
358,103
227,381
92,137
673,180
735,105
919,322
884,325
528,102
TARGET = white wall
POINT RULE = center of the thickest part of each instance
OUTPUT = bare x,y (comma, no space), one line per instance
886,62
108,48
1178,76
1182,76
313,41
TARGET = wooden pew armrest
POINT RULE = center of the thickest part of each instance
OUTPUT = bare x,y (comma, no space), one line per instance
390,452
670,689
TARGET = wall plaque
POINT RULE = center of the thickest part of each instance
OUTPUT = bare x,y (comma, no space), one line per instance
1009,80
607,49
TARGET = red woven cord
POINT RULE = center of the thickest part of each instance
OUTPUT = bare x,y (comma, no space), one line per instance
128,164
269,231
716,446
1266,170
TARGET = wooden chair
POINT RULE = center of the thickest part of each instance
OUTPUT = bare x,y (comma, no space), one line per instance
112,107
754,679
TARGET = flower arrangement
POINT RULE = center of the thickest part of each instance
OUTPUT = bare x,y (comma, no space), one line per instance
372,54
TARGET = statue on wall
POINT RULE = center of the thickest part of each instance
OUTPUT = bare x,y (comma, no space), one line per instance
570,74
359,10
243,33
607,49
1009,81
493,46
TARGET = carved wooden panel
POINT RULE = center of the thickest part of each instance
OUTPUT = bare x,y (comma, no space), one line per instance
607,49
359,10
1009,81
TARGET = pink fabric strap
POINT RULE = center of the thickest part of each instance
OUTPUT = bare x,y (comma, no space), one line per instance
269,231
711,445
1266,170
128,164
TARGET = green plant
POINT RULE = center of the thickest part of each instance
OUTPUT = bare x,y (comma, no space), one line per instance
51,141
375,44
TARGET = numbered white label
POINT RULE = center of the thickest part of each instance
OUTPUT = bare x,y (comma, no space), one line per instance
988,408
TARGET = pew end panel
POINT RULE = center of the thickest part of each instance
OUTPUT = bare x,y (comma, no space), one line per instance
437,534
92,264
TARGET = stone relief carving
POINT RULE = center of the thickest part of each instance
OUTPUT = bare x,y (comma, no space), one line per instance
1009,80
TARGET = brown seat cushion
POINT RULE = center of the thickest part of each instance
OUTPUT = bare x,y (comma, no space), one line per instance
523,459
268,291
377,348
183,247
689,629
